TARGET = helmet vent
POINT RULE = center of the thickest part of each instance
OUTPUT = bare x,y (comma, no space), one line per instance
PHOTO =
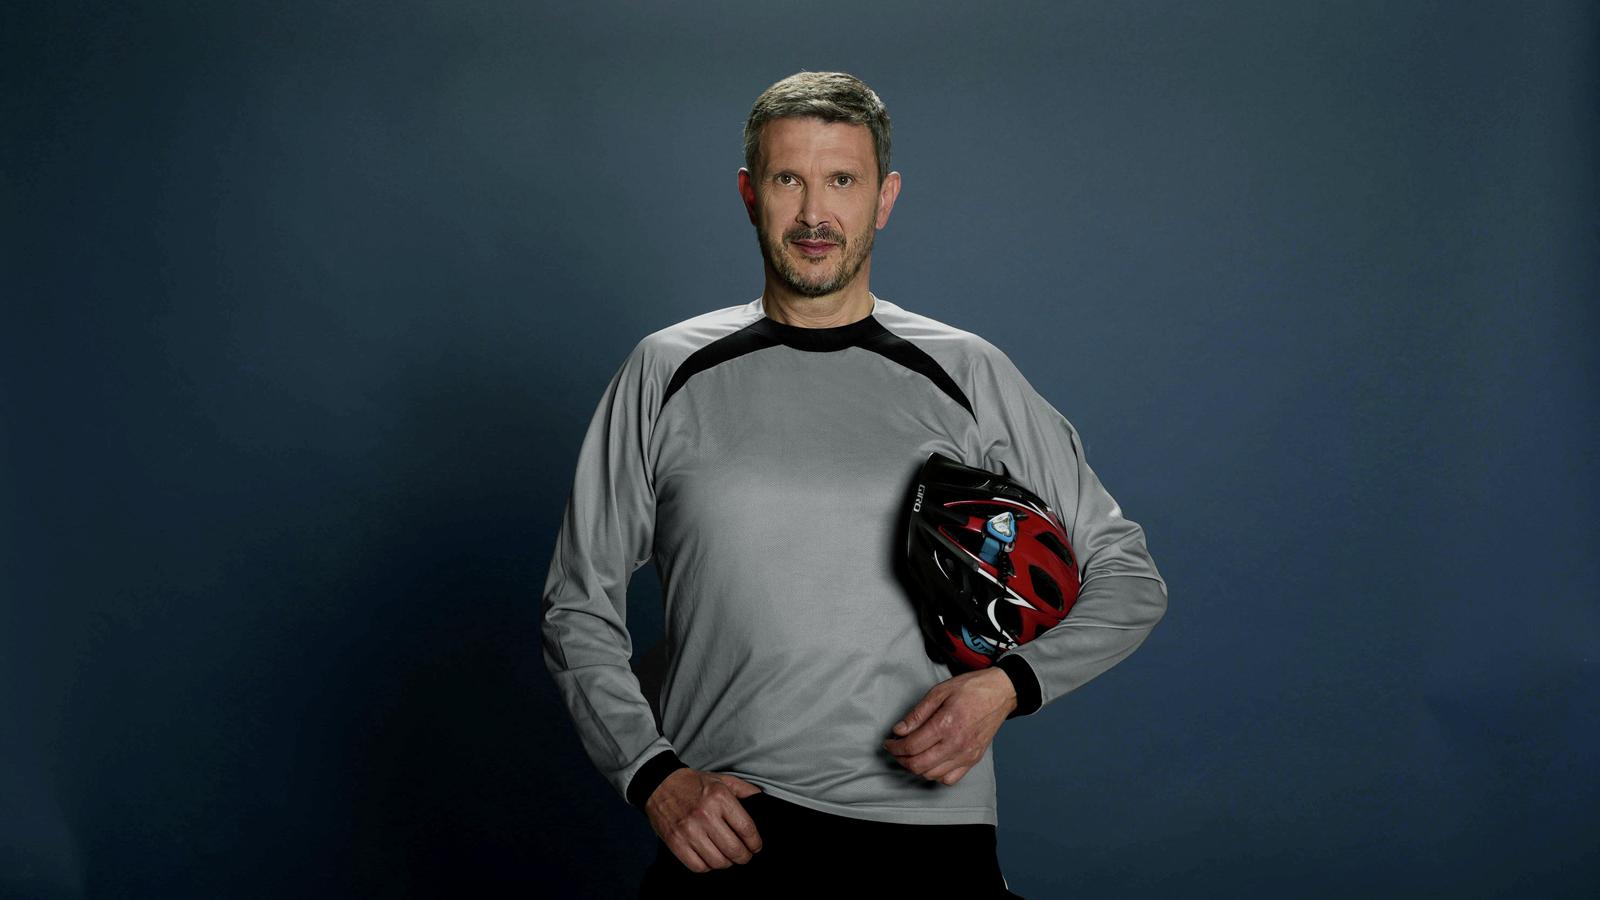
1046,587
1053,544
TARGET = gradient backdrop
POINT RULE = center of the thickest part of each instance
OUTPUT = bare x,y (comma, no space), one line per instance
306,307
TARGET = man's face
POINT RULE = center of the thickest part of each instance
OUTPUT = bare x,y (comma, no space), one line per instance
816,203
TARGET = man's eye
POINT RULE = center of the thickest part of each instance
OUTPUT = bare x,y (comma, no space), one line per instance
782,176
844,180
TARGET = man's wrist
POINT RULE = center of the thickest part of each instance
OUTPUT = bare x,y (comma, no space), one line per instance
1024,683
650,775
1007,685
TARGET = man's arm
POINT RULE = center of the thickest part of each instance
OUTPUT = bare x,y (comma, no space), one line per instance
1122,596
1121,599
607,533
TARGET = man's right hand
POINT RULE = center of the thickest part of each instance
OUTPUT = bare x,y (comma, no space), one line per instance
699,817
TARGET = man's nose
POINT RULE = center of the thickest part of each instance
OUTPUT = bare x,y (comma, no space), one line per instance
811,212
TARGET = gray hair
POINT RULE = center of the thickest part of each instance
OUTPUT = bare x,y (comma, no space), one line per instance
830,96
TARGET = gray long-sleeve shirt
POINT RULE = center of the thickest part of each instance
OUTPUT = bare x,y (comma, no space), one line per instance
764,466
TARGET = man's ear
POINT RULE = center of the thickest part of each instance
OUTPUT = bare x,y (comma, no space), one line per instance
747,193
886,197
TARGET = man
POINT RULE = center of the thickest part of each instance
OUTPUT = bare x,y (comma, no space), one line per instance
761,453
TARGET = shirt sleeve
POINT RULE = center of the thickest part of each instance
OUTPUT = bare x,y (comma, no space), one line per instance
607,532
1121,596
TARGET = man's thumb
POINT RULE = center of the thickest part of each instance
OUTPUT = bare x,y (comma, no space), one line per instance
742,788
912,719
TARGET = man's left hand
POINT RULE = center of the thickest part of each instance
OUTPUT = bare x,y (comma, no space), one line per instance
947,732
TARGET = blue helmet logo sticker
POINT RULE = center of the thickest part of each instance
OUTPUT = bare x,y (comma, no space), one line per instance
978,643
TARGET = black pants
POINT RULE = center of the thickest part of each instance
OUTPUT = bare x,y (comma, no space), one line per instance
805,852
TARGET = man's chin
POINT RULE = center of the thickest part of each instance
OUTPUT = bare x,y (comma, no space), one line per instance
810,288
814,290
801,290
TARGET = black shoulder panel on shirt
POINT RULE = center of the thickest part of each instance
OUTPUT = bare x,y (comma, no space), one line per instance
917,359
729,346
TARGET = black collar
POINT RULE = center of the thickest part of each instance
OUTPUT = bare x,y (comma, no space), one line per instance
837,337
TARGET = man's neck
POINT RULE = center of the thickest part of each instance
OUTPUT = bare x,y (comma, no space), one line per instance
849,305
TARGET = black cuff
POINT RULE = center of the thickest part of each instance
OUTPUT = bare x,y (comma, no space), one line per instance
650,775
1024,681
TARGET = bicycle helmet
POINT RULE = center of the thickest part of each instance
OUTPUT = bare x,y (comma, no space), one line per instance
993,565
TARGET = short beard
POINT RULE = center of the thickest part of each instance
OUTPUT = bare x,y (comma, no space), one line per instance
849,265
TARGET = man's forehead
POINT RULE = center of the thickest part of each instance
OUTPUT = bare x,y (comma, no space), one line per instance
801,139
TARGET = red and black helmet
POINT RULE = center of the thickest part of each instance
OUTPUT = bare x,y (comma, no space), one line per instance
992,561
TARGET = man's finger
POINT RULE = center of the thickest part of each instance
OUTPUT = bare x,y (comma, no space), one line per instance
710,850
687,855
926,760
925,735
729,843
744,827
924,741
920,713
925,763
942,768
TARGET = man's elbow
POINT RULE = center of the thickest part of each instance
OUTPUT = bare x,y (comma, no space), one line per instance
1158,603
1127,601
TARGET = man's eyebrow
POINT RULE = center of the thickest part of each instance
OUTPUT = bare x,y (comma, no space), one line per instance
851,172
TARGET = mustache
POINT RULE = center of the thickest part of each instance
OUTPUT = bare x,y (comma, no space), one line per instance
820,234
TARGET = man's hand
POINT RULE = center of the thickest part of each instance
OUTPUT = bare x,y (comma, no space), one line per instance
699,817
947,732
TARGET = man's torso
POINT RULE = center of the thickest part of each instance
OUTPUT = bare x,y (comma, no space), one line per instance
780,459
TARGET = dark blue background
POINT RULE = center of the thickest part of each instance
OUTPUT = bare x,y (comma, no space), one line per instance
306,306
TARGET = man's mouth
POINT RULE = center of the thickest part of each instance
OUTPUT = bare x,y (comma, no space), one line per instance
814,248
